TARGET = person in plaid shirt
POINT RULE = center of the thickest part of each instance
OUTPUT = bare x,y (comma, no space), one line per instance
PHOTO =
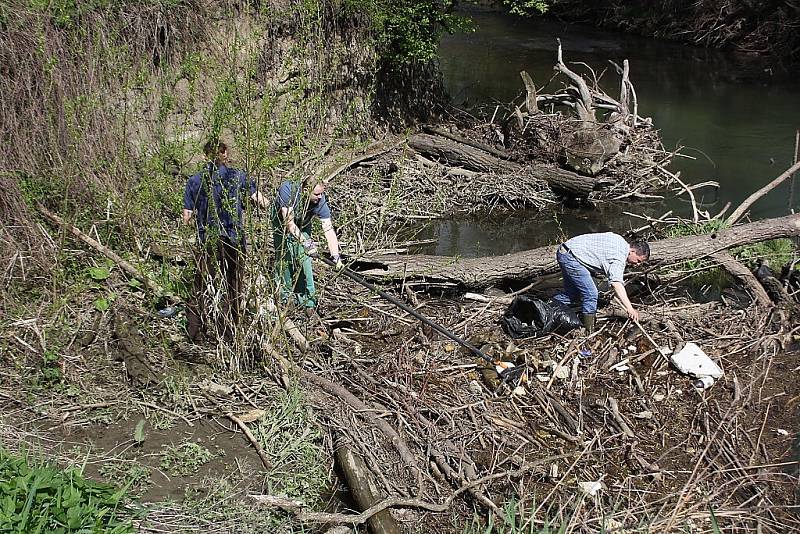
601,254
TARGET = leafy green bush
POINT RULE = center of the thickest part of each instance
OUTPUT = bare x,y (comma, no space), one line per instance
39,498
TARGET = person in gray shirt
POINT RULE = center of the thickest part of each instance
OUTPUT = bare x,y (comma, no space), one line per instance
602,253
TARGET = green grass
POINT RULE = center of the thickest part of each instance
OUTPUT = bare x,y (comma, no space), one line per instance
131,474
36,497
515,520
185,459
293,442
778,252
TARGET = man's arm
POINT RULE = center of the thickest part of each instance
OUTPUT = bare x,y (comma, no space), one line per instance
331,238
287,214
260,199
622,295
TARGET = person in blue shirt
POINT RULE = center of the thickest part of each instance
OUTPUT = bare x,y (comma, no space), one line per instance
602,254
214,198
295,206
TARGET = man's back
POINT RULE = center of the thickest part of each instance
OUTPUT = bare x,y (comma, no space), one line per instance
606,252
216,195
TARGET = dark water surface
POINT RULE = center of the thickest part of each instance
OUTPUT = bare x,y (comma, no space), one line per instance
733,114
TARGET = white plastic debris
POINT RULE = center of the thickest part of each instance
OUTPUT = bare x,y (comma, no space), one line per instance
502,366
782,432
475,387
591,488
620,365
658,397
561,372
692,361
646,414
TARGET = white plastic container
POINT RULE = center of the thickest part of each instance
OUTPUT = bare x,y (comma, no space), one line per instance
692,361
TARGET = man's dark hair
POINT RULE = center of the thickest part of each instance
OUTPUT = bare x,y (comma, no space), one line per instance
213,148
642,249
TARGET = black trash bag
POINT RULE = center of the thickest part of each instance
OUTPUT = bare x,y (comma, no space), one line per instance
528,317
531,317
564,317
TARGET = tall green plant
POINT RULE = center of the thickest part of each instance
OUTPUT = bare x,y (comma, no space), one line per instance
38,498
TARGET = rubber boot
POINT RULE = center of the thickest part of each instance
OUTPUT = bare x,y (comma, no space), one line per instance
588,320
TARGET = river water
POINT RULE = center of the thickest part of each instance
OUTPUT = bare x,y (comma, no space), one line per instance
731,112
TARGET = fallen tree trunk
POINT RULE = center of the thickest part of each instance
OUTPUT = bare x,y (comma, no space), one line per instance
743,274
471,158
365,490
459,154
476,273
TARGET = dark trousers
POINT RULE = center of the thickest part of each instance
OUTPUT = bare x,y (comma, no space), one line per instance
219,268
578,284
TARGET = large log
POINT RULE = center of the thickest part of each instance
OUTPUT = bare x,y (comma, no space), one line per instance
476,273
459,154
365,490
472,158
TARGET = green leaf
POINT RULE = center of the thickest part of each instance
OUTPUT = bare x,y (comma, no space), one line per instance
99,273
138,432
102,304
714,524
74,516
134,283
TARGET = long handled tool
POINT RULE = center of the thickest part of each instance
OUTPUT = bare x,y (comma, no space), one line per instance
507,374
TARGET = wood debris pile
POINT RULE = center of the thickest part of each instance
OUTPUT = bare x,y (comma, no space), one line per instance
615,439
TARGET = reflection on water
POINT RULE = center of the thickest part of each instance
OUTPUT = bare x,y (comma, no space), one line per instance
740,129
504,233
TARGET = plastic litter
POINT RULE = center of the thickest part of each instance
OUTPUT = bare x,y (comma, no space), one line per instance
692,361
591,488
527,316
561,372
169,311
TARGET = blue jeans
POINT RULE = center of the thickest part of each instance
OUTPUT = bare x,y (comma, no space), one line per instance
578,284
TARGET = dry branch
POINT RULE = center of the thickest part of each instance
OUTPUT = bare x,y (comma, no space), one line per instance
530,93
585,106
365,491
243,427
107,252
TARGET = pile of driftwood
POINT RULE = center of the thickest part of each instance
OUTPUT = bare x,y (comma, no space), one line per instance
615,440
576,143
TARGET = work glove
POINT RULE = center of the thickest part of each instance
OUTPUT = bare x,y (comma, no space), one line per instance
310,247
337,260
